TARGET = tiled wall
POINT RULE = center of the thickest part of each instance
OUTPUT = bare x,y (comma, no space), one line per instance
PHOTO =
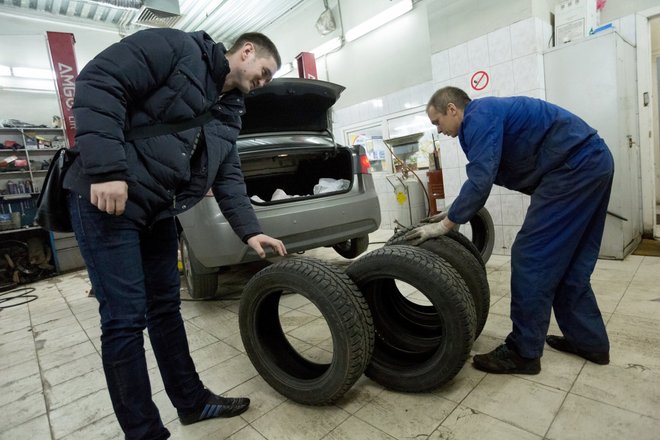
513,58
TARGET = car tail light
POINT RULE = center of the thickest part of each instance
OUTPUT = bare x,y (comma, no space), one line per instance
365,166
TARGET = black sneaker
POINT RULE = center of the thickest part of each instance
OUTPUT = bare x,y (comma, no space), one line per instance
216,406
560,343
504,360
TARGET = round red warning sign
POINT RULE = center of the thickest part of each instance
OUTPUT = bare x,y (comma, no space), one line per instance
479,80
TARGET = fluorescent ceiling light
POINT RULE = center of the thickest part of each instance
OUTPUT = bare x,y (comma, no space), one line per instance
21,90
29,72
5,71
27,84
378,20
327,47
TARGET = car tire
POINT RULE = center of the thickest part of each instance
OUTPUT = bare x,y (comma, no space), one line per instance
452,333
468,267
353,247
346,313
202,281
483,233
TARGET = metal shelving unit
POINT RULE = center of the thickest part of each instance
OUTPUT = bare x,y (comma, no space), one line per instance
38,145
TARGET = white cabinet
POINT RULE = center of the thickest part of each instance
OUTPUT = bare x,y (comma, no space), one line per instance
595,78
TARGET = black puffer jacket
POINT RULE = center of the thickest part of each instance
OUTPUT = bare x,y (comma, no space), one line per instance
159,76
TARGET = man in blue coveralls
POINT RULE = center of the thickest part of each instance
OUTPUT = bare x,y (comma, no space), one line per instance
542,150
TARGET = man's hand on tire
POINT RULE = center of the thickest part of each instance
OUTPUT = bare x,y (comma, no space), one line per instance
435,218
422,233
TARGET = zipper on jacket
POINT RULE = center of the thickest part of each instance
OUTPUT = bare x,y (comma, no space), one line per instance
196,142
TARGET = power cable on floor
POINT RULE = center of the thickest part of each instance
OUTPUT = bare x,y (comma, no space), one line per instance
21,298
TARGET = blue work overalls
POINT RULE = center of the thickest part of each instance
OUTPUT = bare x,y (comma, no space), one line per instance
540,149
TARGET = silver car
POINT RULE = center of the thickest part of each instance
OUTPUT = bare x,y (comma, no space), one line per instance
306,189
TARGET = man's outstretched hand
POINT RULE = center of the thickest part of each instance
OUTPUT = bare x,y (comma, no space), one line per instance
258,242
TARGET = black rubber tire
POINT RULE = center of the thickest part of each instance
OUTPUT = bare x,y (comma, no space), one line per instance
353,247
470,270
453,234
483,233
202,281
452,331
346,313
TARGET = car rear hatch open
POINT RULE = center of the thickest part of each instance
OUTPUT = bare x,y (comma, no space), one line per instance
287,152
290,105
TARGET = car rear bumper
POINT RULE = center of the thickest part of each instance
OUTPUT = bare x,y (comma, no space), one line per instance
301,225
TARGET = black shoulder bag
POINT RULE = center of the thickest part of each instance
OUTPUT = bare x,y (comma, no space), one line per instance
52,209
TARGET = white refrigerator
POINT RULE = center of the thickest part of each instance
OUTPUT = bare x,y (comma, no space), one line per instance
596,79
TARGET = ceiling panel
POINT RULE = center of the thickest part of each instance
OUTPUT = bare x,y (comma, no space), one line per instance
224,20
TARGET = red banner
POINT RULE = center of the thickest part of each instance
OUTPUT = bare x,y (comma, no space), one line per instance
63,60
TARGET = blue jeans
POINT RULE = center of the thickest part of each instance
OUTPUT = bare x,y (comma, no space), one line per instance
134,273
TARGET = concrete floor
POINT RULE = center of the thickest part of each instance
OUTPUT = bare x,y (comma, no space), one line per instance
53,385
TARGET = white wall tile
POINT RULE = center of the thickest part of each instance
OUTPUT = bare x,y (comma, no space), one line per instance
528,73
535,93
427,90
499,45
418,95
440,84
448,153
494,207
462,158
463,82
501,77
458,60
462,175
512,209
440,66
524,40
478,53
452,181
391,103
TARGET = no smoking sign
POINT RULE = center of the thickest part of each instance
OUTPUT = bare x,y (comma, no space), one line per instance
479,80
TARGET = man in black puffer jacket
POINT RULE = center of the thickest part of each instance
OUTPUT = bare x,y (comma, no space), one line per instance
125,190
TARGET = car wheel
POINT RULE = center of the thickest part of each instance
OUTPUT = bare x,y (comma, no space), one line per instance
468,267
450,328
346,314
353,247
202,281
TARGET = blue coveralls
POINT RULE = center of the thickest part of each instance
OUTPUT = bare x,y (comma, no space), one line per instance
540,149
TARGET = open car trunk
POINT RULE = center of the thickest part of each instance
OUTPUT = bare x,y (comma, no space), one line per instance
297,172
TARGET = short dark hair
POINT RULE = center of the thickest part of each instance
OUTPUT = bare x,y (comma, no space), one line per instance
263,44
446,95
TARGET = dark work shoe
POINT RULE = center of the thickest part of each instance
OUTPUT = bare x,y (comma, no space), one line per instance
217,406
504,360
560,343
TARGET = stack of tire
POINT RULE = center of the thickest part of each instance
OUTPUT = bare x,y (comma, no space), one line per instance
376,330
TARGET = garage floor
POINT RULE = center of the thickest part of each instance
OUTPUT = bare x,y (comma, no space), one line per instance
53,386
